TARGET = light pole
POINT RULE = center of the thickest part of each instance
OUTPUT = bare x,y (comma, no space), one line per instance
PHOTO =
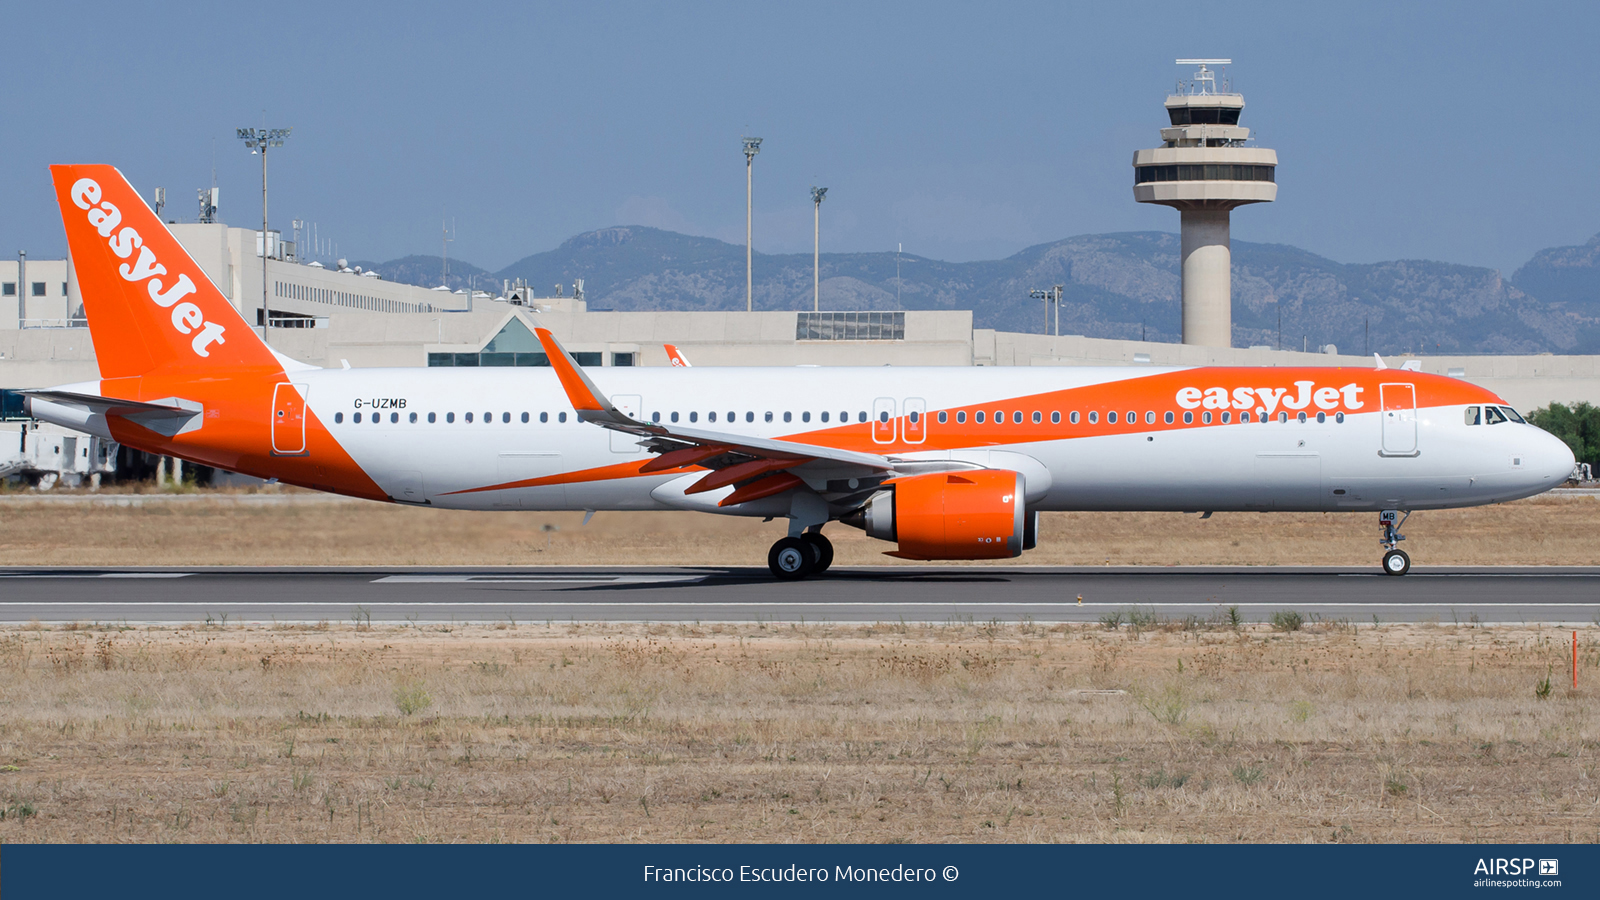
816,249
1051,296
258,140
752,146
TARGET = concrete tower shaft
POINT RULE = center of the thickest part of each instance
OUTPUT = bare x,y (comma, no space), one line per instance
1203,169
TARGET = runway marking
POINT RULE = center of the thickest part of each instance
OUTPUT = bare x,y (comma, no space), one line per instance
102,575
402,604
1466,575
536,579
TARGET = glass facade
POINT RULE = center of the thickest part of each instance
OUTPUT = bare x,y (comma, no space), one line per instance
850,326
1205,115
513,345
1207,172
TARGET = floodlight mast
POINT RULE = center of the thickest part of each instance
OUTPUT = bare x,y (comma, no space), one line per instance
258,140
816,249
1051,296
752,146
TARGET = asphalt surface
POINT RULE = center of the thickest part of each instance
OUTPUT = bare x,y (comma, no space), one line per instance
879,594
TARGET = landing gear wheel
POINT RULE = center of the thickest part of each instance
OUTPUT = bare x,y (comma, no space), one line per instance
791,559
1396,562
822,550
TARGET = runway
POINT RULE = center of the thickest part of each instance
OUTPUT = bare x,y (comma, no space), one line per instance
869,594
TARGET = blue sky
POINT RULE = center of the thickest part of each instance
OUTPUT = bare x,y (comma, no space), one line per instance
1462,132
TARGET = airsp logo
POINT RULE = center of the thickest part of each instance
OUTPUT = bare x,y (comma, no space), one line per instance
1549,867
1502,866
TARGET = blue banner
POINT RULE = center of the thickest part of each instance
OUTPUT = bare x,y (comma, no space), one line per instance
677,870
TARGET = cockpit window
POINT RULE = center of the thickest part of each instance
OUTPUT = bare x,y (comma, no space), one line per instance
1512,415
1492,415
1473,416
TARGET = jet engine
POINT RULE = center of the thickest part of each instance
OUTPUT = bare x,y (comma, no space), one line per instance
970,514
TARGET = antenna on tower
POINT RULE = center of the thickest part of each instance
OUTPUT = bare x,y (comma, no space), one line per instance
1204,77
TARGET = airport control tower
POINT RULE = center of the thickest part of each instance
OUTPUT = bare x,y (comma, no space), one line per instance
1204,170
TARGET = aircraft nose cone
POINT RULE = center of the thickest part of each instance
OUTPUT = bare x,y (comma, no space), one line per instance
1552,460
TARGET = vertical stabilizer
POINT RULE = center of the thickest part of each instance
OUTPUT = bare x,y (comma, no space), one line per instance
150,307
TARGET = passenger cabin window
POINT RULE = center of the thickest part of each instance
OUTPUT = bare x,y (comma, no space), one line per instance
976,417
824,416
788,417
561,417
338,418
1094,418
1491,415
1016,417
749,417
544,418
1055,417
694,417
433,418
1227,417
943,417
861,416
1037,417
961,418
1205,417
1111,417
674,417
1168,417
450,418
356,418
524,418
1188,418
469,417
1474,417
394,418
1073,418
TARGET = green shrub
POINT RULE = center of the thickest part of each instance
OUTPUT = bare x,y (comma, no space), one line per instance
1287,620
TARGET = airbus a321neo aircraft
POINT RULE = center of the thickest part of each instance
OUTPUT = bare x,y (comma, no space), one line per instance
944,463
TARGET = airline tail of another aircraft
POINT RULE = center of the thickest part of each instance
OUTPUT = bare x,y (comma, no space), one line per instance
150,306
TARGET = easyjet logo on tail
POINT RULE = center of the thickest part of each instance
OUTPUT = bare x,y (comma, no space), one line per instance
187,319
1304,394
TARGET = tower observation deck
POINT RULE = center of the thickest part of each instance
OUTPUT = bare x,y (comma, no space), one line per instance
1204,170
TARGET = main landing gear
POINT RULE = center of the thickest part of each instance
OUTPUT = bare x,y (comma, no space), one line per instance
1395,561
794,558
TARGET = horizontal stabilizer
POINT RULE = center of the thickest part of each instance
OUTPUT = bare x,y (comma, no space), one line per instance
112,406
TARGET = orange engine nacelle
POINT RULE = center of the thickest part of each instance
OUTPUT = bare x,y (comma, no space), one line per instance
972,514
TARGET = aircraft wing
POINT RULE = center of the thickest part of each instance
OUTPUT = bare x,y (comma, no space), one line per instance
689,446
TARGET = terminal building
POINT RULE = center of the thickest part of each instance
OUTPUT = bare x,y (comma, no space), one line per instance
334,315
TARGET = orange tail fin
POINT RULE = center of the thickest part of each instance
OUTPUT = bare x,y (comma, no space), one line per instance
149,305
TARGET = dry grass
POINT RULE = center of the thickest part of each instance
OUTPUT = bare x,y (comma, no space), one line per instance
796,733
230,529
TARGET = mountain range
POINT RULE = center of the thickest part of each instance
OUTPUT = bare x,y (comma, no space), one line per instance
1123,285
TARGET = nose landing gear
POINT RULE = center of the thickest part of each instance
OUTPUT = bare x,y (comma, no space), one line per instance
1395,561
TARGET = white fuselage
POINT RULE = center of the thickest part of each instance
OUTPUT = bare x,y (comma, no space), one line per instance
1329,465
